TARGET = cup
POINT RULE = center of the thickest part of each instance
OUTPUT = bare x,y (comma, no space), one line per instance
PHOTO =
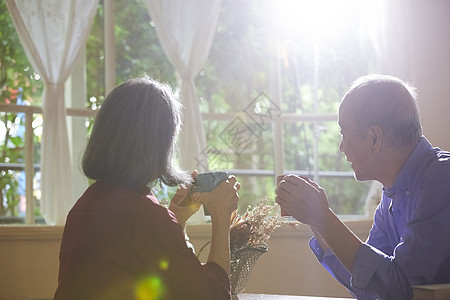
206,182
282,211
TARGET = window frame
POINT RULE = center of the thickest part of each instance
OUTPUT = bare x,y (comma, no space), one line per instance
110,79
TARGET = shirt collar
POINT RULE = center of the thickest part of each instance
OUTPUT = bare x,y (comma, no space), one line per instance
409,169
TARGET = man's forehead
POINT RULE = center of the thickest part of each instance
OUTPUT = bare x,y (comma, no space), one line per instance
346,114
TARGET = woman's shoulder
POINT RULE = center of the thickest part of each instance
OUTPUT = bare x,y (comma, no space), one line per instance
150,210
118,198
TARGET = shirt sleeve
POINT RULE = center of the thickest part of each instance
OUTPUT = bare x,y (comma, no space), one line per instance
159,250
333,266
423,247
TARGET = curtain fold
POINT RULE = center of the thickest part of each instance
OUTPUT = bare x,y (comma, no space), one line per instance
388,24
186,30
397,39
52,33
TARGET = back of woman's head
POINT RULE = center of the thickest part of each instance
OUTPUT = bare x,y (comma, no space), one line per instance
133,138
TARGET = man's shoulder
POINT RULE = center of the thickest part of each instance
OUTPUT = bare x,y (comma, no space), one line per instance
438,161
435,171
443,156
431,169
427,156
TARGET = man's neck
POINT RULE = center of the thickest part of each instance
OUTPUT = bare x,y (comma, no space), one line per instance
395,159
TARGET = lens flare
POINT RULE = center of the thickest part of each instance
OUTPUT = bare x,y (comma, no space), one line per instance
149,288
164,265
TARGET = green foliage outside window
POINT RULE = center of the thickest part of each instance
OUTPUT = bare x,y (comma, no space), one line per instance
314,72
19,84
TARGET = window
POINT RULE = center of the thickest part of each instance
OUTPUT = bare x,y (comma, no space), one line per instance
269,91
19,85
290,61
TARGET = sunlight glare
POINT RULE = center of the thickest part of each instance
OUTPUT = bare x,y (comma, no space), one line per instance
315,17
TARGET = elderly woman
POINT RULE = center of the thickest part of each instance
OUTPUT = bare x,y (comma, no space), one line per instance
118,241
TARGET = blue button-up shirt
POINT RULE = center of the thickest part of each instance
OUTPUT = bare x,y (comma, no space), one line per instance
409,243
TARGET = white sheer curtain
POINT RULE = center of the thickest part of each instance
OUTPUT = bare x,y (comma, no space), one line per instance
52,33
186,30
389,25
397,39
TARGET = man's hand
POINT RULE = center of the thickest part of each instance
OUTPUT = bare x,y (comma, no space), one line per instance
306,201
302,199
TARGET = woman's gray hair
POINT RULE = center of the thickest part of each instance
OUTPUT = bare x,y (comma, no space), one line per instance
388,102
133,138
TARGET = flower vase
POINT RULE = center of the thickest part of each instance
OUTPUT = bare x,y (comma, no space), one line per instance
241,265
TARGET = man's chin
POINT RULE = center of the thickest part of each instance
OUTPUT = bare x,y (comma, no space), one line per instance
358,176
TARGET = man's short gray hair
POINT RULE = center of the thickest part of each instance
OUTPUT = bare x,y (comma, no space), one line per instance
388,102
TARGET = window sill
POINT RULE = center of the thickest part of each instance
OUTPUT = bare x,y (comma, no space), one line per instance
33,232
359,226
202,231
19,220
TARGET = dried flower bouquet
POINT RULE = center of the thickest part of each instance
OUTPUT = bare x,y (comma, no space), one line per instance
249,235
254,227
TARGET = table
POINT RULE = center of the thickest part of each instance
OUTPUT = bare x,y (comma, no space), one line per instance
281,297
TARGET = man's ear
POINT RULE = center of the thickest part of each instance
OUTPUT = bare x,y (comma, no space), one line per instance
376,137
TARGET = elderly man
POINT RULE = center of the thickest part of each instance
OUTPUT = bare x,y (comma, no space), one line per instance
409,243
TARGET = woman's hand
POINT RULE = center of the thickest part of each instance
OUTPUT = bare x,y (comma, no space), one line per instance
222,201
182,204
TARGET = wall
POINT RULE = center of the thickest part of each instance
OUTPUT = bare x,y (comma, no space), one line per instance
29,262
431,58
416,48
